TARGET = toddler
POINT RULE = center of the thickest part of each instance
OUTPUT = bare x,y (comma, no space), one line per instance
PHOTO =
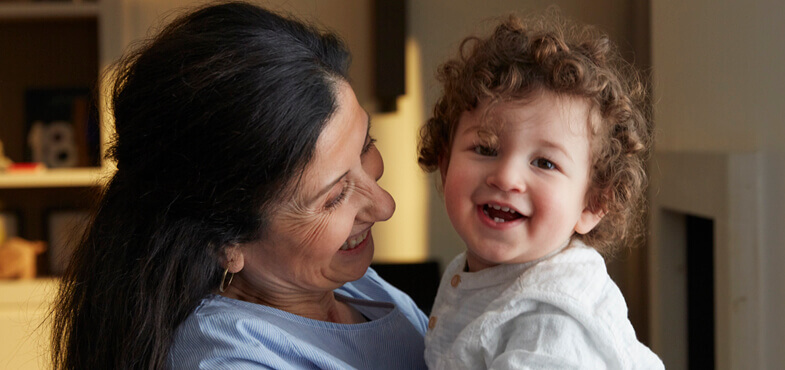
540,138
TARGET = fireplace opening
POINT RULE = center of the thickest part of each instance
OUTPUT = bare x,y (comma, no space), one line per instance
700,292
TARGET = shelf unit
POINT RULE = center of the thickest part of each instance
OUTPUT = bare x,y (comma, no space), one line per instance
56,178
51,10
46,44
24,309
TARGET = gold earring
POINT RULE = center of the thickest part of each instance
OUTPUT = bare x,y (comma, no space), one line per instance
221,287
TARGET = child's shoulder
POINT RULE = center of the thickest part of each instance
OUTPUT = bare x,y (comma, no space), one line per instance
576,275
577,253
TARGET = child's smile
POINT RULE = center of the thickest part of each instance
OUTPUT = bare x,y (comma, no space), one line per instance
516,182
500,216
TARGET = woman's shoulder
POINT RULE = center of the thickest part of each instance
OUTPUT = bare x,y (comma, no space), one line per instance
218,316
221,330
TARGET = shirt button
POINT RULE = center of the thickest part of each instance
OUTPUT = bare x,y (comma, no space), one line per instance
455,280
432,322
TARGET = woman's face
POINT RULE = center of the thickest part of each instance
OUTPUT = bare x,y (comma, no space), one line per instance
321,237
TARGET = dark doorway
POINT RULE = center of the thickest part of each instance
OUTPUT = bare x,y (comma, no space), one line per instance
419,280
700,292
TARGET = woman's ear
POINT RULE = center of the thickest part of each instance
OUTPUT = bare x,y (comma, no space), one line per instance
234,259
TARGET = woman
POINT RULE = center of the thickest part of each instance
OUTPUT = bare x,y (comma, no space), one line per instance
236,230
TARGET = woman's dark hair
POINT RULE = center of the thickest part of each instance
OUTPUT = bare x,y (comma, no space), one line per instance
216,117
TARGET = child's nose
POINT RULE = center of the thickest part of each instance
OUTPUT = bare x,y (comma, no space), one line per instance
507,175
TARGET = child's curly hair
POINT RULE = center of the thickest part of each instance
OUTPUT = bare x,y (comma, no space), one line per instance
519,59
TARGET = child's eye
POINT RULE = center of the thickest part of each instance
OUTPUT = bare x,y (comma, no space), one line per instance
543,164
485,151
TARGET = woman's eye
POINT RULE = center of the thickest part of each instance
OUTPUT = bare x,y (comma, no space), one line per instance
543,164
336,201
485,151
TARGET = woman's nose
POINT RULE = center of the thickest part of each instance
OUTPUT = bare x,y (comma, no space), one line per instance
507,175
380,205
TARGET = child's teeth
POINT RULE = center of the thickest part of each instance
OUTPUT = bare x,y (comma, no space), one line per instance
499,208
498,220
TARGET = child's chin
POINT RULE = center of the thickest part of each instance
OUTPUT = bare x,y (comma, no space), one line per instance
483,258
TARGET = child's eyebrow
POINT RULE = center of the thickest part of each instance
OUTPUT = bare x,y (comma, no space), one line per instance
469,129
558,147
483,129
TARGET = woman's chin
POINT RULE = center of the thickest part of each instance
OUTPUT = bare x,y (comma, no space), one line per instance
357,260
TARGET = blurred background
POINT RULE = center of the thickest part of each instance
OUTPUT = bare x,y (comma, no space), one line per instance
704,288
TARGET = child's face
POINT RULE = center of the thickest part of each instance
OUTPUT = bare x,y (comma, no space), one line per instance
535,168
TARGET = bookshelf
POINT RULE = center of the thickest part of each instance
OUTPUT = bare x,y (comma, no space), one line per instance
24,306
56,178
48,46
44,44
22,10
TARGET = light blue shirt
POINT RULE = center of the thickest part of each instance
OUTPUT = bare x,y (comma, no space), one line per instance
224,333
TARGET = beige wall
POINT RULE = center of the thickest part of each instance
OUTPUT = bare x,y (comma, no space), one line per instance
718,68
719,77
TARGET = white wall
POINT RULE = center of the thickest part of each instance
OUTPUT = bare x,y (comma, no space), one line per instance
719,77
769,21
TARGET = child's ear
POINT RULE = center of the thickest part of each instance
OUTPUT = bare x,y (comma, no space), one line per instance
444,162
234,259
589,219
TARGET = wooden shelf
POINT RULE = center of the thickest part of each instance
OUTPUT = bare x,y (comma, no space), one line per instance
26,292
24,322
55,178
44,10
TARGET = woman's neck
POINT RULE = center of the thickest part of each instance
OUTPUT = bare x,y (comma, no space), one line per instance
322,306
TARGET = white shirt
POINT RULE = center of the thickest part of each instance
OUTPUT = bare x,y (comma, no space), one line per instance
562,311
